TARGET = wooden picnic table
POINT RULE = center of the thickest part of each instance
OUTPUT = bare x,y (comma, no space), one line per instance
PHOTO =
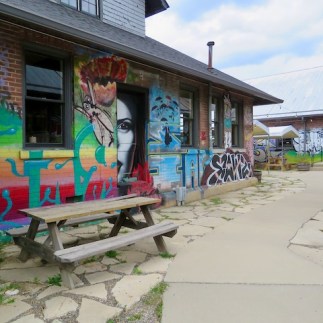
55,216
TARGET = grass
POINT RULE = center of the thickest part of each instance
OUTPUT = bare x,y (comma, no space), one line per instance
137,271
2,245
166,255
155,298
6,299
226,218
216,200
55,280
134,317
89,260
111,254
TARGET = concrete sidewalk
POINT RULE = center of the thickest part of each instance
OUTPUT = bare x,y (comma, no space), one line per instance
265,266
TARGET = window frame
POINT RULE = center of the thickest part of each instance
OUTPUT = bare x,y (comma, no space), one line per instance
79,4
237,134
194,119
218,121
67,113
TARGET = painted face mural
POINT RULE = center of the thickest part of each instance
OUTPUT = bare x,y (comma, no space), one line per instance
126,127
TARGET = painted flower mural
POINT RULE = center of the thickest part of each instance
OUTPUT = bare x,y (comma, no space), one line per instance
97,79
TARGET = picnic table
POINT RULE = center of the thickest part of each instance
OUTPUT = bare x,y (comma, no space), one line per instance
278,163
118,211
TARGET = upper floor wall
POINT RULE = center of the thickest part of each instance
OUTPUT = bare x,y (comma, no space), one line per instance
127,14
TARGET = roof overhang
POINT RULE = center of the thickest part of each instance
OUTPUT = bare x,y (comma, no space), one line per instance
280,132
259,129
38,22
155,6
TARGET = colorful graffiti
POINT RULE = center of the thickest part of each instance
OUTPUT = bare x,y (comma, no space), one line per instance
97,79
313,142
231,166
164,126
312,145
118,147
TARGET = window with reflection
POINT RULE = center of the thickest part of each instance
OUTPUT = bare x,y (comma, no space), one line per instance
216,125
45,100
87,6
186,102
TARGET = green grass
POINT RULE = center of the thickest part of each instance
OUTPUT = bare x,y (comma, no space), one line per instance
55,280
111,254
134,317
89,260
7,299
166,255
2,256
155,298
216,200
137,271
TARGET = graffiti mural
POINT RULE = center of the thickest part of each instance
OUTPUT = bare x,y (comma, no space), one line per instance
97,93
167,170
164,129
313,143
228,167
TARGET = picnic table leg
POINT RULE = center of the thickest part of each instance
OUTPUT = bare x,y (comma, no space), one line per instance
65,270
67,279
54,235
31,234
48,240
118,224
159,240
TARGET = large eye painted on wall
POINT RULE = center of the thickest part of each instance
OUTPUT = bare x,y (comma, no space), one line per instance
125,125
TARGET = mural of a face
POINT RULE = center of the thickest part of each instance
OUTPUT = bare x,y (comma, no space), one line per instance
126,127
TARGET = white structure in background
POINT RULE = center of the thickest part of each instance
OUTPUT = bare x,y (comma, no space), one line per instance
302,92
264,140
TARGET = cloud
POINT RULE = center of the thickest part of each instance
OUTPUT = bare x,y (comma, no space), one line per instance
249,41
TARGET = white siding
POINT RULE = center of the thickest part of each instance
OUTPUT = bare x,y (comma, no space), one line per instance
125,14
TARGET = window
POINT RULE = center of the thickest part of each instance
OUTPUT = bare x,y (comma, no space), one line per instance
186,102
87,6
236,119
216,125
46,116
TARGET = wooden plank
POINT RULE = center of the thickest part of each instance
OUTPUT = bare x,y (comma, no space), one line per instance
31,234
36,248
16,232
70,205
54,235
159,240
79,209
98,247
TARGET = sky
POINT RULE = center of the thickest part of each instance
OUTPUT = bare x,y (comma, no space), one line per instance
253,38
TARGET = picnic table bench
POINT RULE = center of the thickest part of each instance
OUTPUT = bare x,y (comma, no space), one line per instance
116,211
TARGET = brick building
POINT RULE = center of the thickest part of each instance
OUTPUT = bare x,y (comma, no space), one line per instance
91,108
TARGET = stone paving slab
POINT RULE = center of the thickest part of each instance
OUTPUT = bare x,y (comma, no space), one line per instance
93,299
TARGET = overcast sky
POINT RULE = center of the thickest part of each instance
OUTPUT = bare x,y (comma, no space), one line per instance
253,38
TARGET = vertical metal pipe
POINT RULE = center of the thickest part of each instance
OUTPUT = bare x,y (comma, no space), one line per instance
210,64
